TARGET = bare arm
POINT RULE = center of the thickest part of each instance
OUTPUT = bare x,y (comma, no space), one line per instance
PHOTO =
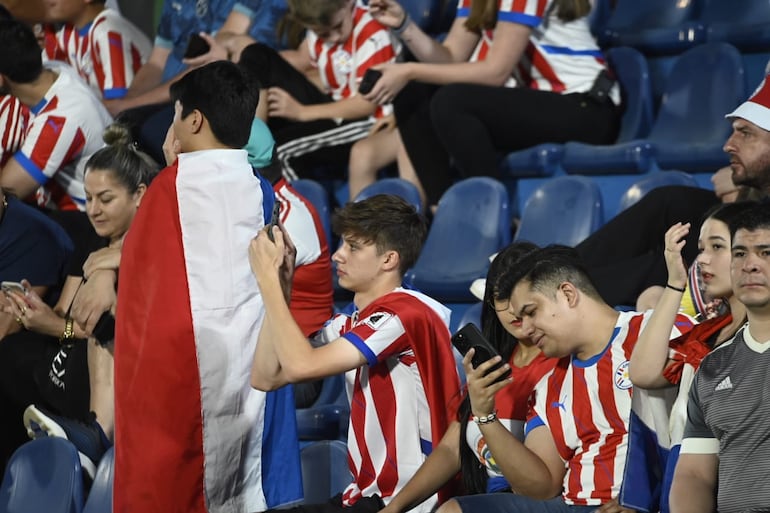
442,464
695,484
147,87
282,104
650,355
16,180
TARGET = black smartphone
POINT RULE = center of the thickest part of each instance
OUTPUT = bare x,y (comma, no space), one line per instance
371,76
274,219
104,330
196,46
469,336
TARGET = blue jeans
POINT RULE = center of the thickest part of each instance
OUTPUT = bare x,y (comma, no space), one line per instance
512,503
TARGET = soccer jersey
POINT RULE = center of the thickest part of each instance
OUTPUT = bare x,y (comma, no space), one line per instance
586,405
107,52
13,123
511,404
65,130
562,57
342,65
312,301
399,401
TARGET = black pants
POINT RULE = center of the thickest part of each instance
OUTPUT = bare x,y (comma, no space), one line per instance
474,124
303,146
363,505
625,256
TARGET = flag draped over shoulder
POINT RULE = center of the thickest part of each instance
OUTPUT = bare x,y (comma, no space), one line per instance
189,428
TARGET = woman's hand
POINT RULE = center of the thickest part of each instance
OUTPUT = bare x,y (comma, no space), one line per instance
103,259
481,383
30,311
281,104
394,77
387,12
675,241
95,296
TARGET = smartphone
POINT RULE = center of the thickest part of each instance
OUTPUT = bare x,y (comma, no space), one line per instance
469,336
13,286
274,219
104,330
196,46
371,76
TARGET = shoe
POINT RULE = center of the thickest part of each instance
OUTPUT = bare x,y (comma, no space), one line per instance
87,437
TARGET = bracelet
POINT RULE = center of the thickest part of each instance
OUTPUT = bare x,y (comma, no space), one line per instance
402,27
486,419
669,286
68,332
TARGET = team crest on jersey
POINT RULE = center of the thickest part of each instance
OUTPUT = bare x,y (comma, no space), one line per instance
377,319
485,456
342,61
622,380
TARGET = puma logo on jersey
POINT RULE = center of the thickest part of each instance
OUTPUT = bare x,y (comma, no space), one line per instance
725,384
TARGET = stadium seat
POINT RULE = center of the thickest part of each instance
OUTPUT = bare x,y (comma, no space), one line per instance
654,26
396,186
650,182
688,133
630,68
325,471
564,210
327,418
43,475
472,222
100,496
425,13
317,195
744,24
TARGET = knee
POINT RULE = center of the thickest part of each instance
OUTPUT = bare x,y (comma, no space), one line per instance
447,101
450,506
361,156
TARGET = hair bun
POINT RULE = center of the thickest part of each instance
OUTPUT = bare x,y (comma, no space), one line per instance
117,134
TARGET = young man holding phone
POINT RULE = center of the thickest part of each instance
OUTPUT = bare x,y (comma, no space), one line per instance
396,344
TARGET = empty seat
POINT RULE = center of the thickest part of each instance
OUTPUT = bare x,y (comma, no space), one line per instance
396,186
744,24
650,182
564,210
43,475
325,471
472,222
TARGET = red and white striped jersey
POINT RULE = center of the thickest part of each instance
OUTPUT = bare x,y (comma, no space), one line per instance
13,123
399,401
107,52
587,406
562,57
64,131
342,65
312,293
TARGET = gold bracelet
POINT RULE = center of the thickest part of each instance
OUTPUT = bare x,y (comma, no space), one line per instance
69,331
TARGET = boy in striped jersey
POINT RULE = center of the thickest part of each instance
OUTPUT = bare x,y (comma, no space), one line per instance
396,346
312,126
574,453
103,46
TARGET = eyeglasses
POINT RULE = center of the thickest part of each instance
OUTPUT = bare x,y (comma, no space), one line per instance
499,305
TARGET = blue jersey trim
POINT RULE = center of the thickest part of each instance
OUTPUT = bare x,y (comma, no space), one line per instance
35,109
84,31
591,361
30,167
426,447
112,94
533,423
497,484
520,18
563,50
357,341
164,43
239,7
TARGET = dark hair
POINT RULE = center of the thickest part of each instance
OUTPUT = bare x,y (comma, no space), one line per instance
5,14
756,217
474,475
120,157
483,13
225,94
726,212
389,222
20,59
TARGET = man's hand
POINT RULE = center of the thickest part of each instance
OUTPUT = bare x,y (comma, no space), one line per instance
281,104
95,296
482,388
724,188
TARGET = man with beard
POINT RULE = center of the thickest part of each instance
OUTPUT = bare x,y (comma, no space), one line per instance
625,257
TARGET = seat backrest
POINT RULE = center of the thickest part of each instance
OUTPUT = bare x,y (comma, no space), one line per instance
564,210
325,471
705,83
425,13
472,221
100,496
43,475
631,70
396,186
635,15
317,195
652,181
740,12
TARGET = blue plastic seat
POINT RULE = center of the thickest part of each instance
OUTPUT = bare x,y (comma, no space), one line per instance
654,26
43,475
100,496
317,195
396,186
564,210
688,133
630,68
325,471
744,24
472,222
425,13
327,418
650,182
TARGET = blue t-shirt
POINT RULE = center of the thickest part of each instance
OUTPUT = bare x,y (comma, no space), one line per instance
264,16
32,247
180,19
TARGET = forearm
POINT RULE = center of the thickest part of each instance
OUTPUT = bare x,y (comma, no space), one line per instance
349,108
266,369
424,47
478,72
147,78
689,494
650,354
